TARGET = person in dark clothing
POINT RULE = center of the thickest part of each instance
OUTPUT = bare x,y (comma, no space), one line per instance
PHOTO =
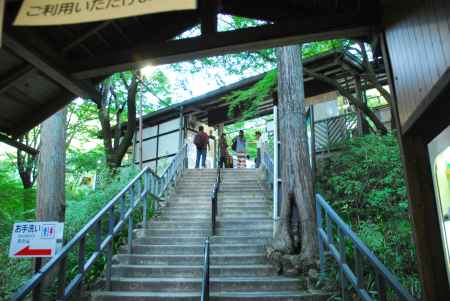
223,151
201,141
258,149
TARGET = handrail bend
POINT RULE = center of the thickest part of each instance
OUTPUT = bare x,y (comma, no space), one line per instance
103,228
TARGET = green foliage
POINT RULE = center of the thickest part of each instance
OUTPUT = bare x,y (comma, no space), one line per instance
82,205
365,184
248,101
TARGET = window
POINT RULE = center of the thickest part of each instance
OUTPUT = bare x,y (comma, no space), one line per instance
439,150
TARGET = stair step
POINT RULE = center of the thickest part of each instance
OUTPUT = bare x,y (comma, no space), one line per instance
201,239
217,284
193,249
265,231
195,296
241,259
147,271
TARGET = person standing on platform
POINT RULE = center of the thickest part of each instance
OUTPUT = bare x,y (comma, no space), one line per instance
241,150
223,145
201,141
259,144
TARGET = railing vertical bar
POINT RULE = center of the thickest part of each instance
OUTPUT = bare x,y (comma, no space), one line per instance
81,261
122,207
36,295
321,247
61,279
342,262
110,248
381,288
329,229
145,201
359,269
98,235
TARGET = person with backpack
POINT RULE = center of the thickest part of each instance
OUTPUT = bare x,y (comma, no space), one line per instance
201,141
240,147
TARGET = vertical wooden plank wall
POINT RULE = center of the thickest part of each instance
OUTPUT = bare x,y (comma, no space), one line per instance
417,34
418,40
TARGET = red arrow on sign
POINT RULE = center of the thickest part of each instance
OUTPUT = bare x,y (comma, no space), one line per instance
34,252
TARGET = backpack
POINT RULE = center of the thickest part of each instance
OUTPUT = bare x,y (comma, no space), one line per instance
197,140
234,145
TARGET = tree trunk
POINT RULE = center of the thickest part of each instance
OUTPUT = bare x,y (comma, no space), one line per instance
51,202
297,186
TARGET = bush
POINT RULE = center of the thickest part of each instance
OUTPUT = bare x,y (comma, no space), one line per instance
82,205
365,184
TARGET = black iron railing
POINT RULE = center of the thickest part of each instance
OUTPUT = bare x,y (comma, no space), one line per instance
205,281
103,228
336,236
214,198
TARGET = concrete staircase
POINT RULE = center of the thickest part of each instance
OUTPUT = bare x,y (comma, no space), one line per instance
167,258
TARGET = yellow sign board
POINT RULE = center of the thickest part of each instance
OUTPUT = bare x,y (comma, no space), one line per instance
2,12
59,12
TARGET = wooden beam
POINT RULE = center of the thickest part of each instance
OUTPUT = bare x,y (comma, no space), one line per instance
79,88
48,110
208,9
220,43
18,145
15,76
86,35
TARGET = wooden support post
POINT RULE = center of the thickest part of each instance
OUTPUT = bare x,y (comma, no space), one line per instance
362,123
208,9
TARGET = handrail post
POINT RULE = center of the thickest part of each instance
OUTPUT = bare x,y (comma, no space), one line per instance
342,262
37,290
110,249
61,279
145,200
321,247
275,169
81,260
204,296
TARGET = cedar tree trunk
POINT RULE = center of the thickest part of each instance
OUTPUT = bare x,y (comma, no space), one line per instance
296,174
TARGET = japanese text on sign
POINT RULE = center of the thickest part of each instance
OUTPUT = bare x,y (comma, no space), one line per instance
39,239
57,12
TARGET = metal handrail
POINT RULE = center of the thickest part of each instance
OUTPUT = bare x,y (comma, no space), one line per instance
127,201
214,198
361,253
267,164
205,281
174,168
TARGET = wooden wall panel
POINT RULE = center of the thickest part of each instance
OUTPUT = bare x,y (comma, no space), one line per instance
418,39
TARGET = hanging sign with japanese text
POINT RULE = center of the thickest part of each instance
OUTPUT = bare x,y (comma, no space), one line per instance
36,239
59,12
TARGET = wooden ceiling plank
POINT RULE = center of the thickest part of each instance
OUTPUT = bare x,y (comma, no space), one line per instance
15,76
79,88
86,35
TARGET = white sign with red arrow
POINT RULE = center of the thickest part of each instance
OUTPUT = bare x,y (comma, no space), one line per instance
36,239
